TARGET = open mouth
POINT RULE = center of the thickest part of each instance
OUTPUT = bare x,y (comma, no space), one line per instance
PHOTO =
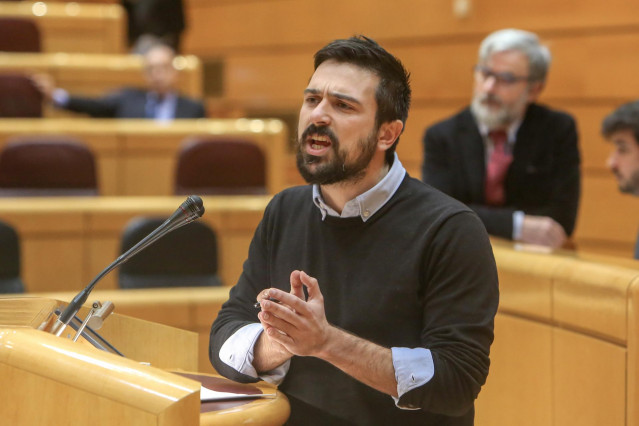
318,144
319,141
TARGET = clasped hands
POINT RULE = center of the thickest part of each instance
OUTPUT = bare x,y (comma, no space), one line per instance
299,326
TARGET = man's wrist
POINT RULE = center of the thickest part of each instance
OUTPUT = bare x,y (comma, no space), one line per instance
332,347
269,354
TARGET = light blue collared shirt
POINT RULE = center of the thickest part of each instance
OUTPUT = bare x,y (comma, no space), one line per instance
413,366
161,110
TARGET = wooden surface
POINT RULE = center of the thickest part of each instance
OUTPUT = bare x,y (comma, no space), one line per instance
51,379
261,411
47,377
565,349
65,242
95,74
565,336
139,157
74,27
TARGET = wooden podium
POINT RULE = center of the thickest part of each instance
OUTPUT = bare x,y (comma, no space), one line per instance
53,380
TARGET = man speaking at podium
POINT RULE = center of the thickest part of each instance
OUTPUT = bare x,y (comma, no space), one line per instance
376,292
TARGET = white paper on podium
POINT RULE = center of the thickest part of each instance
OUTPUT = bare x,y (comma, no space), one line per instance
207,395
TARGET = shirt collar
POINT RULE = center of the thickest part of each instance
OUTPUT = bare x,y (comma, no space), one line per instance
511,131
165,109
367,204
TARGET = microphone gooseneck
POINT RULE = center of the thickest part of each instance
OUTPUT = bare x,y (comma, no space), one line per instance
189,210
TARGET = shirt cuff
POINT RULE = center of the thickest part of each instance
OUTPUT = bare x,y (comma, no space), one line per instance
518,223
238,353
60,97
414,367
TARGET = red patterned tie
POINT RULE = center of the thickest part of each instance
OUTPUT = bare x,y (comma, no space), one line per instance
497,168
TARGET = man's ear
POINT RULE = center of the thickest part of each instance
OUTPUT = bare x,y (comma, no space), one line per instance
388,133
535,90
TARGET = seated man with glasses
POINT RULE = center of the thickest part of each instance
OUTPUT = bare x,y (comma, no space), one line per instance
513,161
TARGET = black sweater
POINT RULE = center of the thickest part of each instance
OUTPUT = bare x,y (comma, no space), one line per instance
419,273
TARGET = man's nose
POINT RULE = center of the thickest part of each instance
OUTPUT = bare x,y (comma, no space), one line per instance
611,162
321,113
489,84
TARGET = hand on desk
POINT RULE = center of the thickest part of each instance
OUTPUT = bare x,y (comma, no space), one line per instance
542,230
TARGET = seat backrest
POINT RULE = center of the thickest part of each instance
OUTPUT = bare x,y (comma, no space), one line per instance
19,35
53,165
213,166
186,257
10,281
19,97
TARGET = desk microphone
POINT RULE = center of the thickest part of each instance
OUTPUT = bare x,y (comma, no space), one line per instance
189,210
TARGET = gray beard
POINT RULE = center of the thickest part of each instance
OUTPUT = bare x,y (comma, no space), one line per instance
491,119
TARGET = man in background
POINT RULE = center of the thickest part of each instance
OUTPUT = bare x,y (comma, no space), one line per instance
513,161
160,100
385,288
621,128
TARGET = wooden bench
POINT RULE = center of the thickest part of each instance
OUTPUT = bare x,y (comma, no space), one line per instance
138,157
74,27
66,242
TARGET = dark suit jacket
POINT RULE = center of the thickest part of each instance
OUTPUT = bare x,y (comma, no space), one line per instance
543,178
130,103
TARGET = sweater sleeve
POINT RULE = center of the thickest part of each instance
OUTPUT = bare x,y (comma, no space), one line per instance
103,107
239,311
460,300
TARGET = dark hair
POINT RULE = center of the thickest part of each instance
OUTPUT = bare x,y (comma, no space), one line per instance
393,92
626,117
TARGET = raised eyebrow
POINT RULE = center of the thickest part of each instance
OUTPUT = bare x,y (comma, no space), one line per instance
337,95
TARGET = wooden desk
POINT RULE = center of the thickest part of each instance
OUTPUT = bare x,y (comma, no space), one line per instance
261,411
139,157
94,74
566,341
65,242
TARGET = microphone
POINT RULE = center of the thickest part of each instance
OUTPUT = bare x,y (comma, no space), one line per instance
189,210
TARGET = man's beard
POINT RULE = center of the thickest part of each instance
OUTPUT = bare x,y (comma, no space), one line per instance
329,170
631,186
504,116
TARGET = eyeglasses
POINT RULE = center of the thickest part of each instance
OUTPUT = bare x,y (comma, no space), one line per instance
504,78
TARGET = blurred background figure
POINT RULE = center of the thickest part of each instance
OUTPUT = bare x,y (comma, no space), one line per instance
621,128
515,162
154,20
160,100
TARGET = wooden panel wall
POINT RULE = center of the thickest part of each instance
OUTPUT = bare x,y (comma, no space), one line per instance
266,48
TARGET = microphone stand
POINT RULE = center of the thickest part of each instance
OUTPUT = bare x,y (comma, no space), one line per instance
189,210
